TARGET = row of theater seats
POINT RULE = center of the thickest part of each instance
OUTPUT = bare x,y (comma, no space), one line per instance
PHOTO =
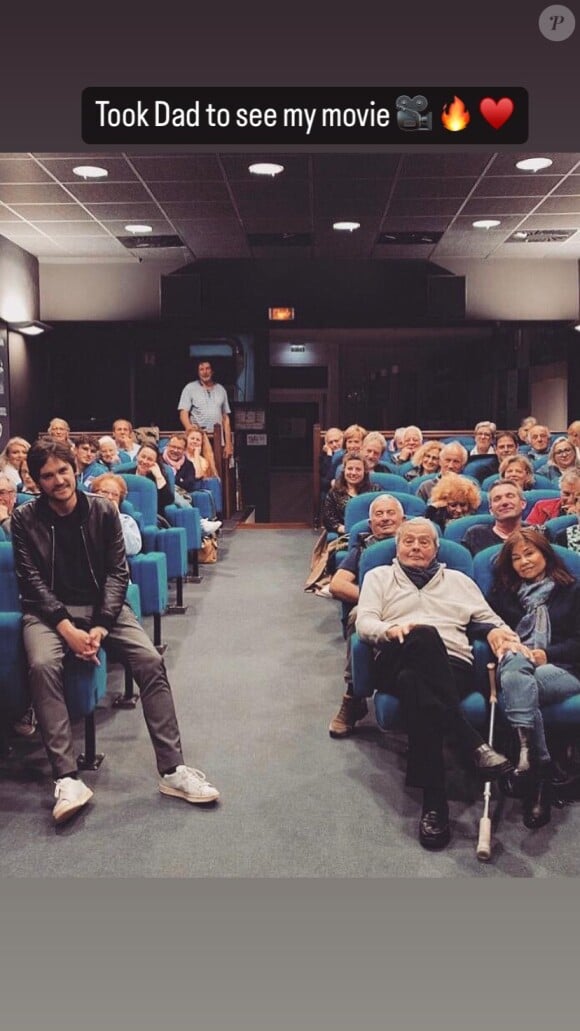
164,559
561,717
474,463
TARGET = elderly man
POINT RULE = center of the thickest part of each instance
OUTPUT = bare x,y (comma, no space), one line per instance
72,576
205,403
452,459
506,503
124,437
7,502
373,446
416,613
539,438
333,440
385,516
550,508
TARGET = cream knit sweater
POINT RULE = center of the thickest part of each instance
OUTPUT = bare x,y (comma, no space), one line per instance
449,602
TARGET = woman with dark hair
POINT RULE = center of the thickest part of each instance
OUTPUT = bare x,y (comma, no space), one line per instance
352,479
536,595
149,464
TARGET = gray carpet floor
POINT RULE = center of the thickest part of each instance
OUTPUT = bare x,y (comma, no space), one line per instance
256,669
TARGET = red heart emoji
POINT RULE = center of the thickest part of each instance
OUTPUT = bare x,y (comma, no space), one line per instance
496,112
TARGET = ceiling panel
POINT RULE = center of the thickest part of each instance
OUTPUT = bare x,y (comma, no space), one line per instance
213,202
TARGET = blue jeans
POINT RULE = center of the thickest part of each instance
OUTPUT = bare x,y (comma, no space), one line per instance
525,688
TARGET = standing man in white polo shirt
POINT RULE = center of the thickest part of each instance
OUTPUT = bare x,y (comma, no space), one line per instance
206,403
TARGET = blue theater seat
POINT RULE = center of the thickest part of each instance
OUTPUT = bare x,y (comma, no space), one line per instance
84,683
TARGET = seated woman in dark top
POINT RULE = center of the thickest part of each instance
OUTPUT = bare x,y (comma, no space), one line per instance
452,496
148,463
536,595
352,479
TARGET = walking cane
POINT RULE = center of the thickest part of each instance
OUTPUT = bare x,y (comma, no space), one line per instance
483,850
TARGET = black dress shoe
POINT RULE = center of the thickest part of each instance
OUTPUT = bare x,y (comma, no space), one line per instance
489,763
434,829
537,805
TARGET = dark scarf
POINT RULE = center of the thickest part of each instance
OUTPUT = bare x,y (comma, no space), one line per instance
420,577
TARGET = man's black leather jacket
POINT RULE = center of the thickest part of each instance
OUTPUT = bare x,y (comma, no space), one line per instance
33,540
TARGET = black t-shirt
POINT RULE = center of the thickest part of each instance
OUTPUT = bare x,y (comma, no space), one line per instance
73,581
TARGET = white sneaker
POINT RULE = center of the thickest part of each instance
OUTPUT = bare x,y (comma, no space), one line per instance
210,525
71,796
192,785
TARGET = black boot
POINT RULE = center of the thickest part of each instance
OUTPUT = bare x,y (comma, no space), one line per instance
537,804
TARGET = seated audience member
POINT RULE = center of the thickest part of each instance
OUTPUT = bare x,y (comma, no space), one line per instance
200,453
353,437
86,461
396,442
333,439
27,484
12,457
524,429
385,516
149,464
109,454
483,434
124,437
536,595
372,448
186,479
27,723
411,440
561,457
452,496
114,489
550,508
59,430
7,502
506,504
573,432
425,460
352,479
506,445
570,536
539,438
452,459
517,469
416,613
80,606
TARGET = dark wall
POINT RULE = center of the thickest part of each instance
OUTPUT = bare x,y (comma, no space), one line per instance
324,293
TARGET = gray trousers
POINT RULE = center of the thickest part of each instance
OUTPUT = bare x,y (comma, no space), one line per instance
126,642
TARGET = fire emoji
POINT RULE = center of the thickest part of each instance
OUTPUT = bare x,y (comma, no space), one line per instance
455,116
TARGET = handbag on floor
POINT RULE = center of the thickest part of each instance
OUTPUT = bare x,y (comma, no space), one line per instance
208,551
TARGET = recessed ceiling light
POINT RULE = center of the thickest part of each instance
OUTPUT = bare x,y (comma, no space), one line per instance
486,223
265,168
348,227
139,230
577,327
90,172
534,164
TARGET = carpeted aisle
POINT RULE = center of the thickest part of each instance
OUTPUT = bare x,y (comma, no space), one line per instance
256,668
